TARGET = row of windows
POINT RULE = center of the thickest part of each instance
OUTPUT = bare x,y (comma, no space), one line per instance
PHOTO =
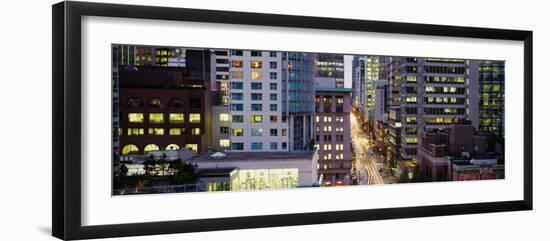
253,118
444,90
443,121
328,128
328,138
444,111
257,146
253,131
328,119
328,147
161,131
253,107
254,75
253,53
255,64
131,149
328,99
136,102
444,69
158,118
328,157
444,79
253,85
253,96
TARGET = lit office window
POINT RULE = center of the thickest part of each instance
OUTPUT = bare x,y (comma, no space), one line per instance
149,148
237,131
172,147
176,118
194,118
224,142
130,149
156,118
195,131
256,118
135,131
177,131
135,117
237,63
237,74
255,64
156,131
194,147
224,117
256,75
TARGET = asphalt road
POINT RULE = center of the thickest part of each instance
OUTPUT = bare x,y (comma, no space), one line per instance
367,168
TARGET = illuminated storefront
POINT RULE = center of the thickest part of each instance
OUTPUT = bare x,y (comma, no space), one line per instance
258,179
257,171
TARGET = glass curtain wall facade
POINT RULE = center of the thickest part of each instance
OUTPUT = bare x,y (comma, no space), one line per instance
298,93
491,97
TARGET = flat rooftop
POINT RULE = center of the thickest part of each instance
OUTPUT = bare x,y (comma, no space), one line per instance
253,156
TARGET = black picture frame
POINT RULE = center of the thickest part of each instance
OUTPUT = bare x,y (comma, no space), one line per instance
66,128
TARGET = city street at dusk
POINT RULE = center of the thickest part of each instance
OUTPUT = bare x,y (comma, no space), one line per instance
367,168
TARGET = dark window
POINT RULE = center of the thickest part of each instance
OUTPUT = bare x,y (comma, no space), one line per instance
236,53
221,53
195,103
134,102
256,53
224,129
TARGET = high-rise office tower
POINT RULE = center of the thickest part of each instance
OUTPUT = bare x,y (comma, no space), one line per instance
358,83
491,97
298,93
434,94
329,71
248,84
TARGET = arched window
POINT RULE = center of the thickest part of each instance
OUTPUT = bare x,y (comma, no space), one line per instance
176,103
130,149
150,147
156,103
172,147
134,102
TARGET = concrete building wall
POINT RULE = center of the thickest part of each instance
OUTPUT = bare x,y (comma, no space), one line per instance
333,136
242,68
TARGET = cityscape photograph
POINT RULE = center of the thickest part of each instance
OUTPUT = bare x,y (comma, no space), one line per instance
188,119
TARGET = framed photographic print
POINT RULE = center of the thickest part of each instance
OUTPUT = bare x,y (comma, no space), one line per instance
169,120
